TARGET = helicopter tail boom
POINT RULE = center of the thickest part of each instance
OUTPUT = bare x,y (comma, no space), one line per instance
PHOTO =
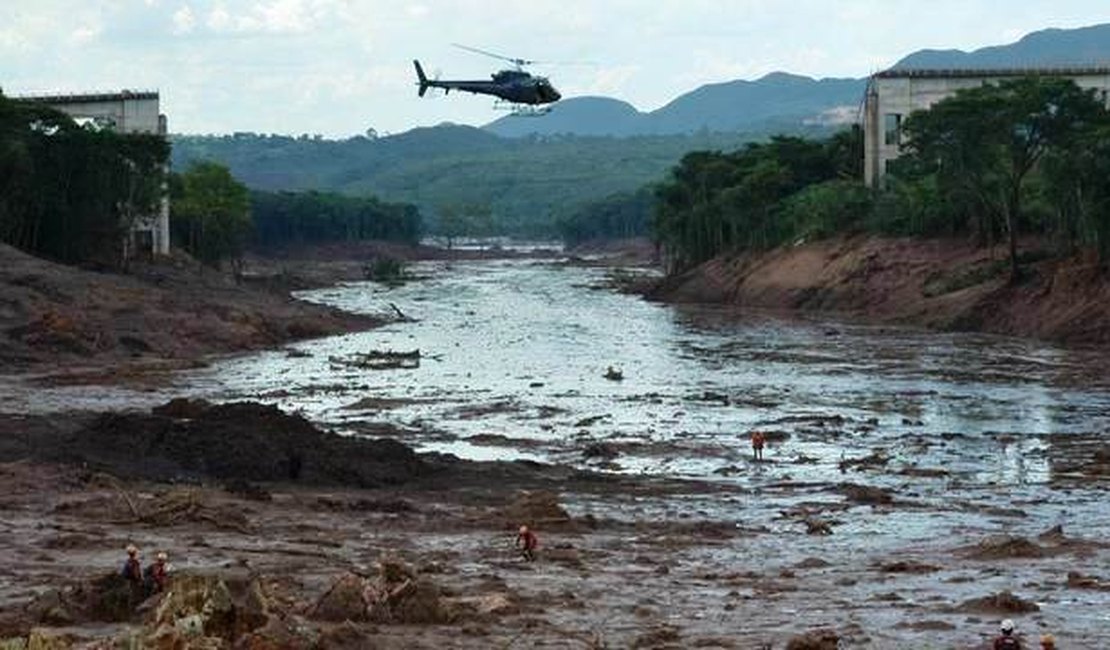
421,78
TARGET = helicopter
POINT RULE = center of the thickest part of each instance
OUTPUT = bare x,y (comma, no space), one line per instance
518,91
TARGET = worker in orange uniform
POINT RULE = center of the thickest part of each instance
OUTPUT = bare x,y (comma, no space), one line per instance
527,542
157,574
758,439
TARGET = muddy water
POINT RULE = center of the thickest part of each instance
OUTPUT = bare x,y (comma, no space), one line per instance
973,435
973,431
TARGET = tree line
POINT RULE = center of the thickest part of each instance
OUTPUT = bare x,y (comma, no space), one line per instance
215,217
73,192
1025,156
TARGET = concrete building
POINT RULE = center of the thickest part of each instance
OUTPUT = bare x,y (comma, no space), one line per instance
125,112
893,94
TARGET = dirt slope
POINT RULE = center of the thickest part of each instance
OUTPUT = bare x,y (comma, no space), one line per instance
944,284
55,316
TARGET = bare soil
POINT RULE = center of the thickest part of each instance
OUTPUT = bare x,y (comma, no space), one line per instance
939,283
82,325
372,546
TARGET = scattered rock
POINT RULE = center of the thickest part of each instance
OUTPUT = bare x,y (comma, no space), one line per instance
601,450
877,458
535,509
657,636
344,601
822,639
1077,580
812,563
1003,602
1001,547
1054,535
817,526
182,408
907,566
865,494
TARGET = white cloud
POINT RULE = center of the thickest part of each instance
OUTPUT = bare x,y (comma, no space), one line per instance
219,19
84,34
183,20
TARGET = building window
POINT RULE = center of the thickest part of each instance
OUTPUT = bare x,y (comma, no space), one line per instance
892,127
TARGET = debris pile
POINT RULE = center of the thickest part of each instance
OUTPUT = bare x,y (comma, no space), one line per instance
822,639
535,509
243,440
1001,547
396,595
1003,602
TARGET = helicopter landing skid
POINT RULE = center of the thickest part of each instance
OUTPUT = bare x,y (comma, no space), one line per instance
521,110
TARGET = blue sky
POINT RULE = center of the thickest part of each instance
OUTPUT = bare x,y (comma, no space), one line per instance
338,67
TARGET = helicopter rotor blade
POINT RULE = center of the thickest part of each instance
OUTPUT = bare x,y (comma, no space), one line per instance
516,62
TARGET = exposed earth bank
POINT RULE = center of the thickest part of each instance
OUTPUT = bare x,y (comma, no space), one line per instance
944,284
169,314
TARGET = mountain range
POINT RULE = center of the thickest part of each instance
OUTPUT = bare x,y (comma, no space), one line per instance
531,171
782,100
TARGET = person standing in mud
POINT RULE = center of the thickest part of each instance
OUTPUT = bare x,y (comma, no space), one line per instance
527,542
1006,640
157,575
133,572
758,439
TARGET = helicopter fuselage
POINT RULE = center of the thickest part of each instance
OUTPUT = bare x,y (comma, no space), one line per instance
515,86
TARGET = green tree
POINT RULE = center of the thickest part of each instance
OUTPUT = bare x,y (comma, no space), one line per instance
984,143
211,213
469,219
73,193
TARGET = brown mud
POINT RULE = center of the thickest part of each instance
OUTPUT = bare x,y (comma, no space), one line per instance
285,536
938,283
85,326
372,546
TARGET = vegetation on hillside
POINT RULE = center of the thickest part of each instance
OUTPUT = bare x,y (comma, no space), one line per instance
1027,156
72,192
527,184
761,196
1017,157
285,218
210,213
618,216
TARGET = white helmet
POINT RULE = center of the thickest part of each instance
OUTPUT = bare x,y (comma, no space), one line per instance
1007,626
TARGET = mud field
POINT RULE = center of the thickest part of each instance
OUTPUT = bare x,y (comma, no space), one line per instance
917,487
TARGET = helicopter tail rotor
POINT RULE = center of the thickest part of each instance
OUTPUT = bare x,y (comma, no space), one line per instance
422,80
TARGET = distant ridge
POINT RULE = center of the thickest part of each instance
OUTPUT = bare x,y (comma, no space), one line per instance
787,101
779,98
1085,46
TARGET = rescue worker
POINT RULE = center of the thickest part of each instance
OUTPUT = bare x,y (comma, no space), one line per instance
1006,640
1048,642
757,445
133,572
527,542
157,574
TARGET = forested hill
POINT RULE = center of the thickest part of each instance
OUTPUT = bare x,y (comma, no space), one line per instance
526,183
